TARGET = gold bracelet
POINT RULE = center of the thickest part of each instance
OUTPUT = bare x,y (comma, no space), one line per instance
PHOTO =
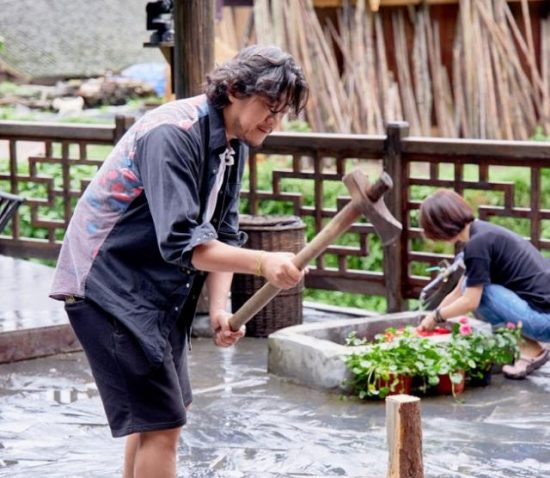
259,271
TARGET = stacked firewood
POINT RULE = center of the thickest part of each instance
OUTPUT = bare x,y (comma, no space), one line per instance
496,88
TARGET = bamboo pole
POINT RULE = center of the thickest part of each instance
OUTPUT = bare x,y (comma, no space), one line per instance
461,120
403,72
422,81
383,97
497,89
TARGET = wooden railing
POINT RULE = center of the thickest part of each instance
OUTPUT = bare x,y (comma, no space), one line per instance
317,162
37,163
418,166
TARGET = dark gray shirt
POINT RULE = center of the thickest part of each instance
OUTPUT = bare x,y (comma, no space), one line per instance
495,255
129,245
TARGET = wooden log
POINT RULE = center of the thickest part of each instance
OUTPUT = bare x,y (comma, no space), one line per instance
403,72
329,68
461,120
383,98
523,102
279,31
404,432
422,83
502,84
531,57
468,48
435,69
262,22
314,106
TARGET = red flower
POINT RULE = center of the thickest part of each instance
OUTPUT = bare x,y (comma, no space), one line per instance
463,320
510,325
465,329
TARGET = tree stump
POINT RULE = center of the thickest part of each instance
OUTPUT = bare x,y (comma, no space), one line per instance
404,431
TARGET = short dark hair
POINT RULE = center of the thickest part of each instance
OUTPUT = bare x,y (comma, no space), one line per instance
444,214
267,71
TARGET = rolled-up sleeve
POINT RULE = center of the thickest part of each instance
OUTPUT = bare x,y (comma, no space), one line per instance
168,160
228,231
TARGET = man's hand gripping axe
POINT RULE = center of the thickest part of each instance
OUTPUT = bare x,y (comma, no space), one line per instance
366,199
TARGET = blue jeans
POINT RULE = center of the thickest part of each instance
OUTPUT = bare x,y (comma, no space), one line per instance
500,305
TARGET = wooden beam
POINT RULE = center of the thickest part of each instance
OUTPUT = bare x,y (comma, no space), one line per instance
404,429
193,45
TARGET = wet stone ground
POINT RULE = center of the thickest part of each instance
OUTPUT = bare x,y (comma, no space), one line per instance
246,423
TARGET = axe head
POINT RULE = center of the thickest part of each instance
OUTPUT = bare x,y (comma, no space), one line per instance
368,198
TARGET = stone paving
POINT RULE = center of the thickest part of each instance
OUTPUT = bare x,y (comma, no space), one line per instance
247,423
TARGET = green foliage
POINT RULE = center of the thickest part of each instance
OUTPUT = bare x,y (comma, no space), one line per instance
375,366
297,126
332,190
480,351
540,135
39,190
8,88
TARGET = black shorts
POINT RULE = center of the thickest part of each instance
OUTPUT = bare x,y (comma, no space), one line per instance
137,396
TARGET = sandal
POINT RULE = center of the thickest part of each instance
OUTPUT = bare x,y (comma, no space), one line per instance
525,365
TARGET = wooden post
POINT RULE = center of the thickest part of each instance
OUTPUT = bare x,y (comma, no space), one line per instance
395,255
122,124
404,431
193,45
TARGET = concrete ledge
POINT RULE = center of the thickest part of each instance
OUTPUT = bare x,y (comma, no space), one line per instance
313,354
24,344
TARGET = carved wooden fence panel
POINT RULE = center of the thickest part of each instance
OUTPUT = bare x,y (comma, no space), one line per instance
316,162
37,162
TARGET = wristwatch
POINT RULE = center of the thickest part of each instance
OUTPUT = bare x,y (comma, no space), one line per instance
437,317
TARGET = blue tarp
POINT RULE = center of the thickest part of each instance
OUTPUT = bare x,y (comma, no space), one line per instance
153,74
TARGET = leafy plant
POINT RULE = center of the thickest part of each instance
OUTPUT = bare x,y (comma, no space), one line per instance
376,369
482,350
376,366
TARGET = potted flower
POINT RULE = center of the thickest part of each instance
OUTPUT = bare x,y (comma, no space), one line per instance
388,365
484,350
487,351
442,366
385,366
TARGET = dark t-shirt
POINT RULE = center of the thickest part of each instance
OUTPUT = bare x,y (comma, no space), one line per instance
495,255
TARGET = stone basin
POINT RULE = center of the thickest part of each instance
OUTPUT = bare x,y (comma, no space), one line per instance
313,354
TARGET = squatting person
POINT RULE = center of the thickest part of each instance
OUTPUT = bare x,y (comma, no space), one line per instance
506,278
159,219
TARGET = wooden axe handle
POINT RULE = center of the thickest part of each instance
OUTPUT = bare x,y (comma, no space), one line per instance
339,224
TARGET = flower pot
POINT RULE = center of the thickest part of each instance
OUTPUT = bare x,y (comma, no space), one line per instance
445,385
403,385
481,380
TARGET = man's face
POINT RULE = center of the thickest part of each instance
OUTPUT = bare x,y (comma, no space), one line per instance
252,119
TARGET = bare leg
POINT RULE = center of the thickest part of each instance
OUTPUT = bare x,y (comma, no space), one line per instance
530,348
155,456
132,442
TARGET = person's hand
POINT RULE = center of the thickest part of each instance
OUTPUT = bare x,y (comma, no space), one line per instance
428,323
277,268
223,335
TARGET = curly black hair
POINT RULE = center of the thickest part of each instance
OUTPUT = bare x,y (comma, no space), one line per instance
267,71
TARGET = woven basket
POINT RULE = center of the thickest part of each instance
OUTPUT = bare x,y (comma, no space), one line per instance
273,234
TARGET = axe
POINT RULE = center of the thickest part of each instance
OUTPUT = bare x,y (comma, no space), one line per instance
365,199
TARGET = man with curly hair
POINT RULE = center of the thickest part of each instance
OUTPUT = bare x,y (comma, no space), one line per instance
159,219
